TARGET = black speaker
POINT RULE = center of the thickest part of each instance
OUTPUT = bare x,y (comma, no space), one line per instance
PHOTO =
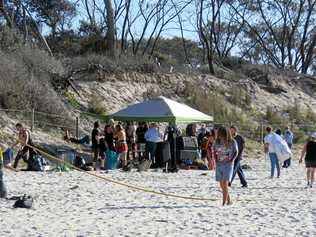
179,147
162,155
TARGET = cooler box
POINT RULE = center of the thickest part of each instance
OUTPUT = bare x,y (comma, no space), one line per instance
189,155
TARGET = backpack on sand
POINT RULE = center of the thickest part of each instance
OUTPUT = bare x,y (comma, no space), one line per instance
38,163
24,202
144,165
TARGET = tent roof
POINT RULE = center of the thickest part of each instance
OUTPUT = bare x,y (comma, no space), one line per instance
161,109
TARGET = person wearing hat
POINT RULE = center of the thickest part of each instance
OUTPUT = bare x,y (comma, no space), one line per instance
309,152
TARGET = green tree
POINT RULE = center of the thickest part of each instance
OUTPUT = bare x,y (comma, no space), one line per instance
56,14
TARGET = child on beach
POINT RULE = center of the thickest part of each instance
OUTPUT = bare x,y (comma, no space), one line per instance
309,151
225,152
3,190
210,151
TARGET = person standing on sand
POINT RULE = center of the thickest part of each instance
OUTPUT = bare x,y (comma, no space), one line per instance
269,148
140,137
152,137
210,151
131,139
3,189
95,139
309,151
121,144
24,138
288,137
225,152
109,135
237,167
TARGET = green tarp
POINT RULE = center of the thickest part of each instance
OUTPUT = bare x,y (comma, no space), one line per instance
161,109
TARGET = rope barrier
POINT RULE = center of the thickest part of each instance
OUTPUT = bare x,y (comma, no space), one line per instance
136,187
118,182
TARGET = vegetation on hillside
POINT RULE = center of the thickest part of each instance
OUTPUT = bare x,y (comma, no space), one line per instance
46,44
278,33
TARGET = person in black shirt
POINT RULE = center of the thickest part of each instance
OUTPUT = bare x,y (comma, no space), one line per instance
140,137
108,137
171,133
309,151
140,132
95,138
237,167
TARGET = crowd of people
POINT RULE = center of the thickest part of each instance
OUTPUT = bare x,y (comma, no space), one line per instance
221,148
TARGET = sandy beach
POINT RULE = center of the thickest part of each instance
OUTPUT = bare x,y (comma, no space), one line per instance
74,204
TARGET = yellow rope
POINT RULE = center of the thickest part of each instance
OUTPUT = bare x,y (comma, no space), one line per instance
136,187
120,183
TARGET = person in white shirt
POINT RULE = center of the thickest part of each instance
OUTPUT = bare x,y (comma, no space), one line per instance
269,148
152,137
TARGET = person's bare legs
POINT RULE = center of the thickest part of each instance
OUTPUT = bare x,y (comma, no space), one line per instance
223,191
226,198
312,175
124,157
225,186
308,176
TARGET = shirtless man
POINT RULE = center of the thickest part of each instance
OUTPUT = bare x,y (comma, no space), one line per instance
24,139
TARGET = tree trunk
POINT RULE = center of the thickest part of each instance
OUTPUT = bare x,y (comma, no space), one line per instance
123,37
210,61
110,35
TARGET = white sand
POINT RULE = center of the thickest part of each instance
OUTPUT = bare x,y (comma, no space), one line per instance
97,208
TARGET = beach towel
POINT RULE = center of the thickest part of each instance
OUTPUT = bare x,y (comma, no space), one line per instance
281,147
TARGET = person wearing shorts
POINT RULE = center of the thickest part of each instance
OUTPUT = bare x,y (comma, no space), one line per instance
26,151
225,152
121,144
309,151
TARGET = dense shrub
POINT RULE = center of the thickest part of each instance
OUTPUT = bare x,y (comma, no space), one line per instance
215,104
97,62
96,106
25,76
232,62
